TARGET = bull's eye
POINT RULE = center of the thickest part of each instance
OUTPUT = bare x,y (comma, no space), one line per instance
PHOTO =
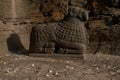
74,10
70,10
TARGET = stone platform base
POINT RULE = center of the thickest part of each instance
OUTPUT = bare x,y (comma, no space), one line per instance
57,56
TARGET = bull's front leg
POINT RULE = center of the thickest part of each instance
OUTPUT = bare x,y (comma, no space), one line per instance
49,47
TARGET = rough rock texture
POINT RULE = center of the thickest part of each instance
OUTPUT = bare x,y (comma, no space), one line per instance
78,3
94,67
48,10
33,10
103,25
14,9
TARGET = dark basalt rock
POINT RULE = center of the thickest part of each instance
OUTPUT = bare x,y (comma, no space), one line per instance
68,36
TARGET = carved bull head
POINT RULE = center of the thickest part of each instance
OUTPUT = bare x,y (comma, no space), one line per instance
80,13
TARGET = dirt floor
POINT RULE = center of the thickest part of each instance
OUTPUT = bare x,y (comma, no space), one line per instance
94,67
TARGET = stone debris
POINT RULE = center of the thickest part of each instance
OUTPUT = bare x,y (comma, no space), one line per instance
40,68
50,71
56,74
97,68
33,65
7,55
118,71
69,67
47,75
4,63
113,73
108,67
16,59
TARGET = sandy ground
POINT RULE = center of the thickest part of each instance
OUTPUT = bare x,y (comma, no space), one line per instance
94,67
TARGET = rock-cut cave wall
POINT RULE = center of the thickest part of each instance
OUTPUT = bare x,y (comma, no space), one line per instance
14,9
103,25
33,10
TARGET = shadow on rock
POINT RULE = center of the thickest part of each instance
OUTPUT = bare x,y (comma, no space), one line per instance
15,45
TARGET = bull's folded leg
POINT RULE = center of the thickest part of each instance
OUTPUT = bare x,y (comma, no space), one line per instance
43,50
49,50
49,47
70,51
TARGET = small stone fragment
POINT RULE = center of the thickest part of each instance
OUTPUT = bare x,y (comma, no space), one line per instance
47,75
20,58
72,67
108,67
15,71
4,63
112,73
107,58
7,71
50,71
67,61
7,55
67,66
16,59
104,65
118,71
56,73
97,68
94,65
33,65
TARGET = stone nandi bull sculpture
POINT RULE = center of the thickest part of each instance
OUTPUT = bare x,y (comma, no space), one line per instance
67,36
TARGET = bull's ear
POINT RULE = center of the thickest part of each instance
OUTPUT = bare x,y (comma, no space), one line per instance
70,11
83,15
